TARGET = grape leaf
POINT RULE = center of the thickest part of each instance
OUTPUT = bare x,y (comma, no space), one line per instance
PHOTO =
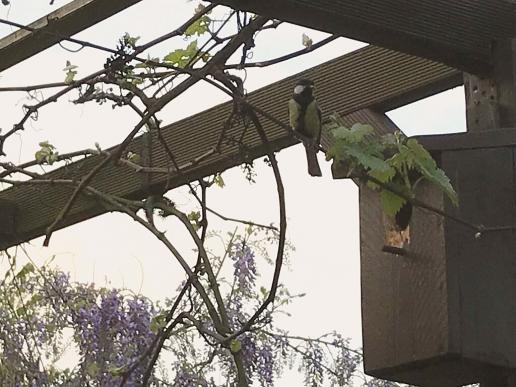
390,202
199,27
70,72
46,154
181,57
307,42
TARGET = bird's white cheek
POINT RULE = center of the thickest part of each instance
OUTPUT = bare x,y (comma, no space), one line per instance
298,89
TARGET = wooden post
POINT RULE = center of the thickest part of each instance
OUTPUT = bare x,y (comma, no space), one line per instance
491,104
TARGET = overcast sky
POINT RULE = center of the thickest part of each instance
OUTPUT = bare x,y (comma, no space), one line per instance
110,249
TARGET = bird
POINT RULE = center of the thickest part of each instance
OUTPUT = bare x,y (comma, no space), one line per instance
305,118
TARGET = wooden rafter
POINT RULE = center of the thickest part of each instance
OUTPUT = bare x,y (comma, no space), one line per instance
459,33
63,22
369,78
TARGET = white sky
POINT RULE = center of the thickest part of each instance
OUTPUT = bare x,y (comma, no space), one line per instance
322,213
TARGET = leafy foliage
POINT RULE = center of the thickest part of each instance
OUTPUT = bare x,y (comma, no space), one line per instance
44,316
306,41
181,57
46,154
393,160
70,72
200,26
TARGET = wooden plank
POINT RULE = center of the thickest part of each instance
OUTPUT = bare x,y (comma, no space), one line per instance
481,272
367,78
8,211
404,303
456,32
63,22
494,138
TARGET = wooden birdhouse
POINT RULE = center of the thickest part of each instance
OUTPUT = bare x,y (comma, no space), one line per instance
444,314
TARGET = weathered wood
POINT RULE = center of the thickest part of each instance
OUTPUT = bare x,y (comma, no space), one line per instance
456,32
504,74
444,314
7,219
369,77
481,103
63,22
495,138
491,101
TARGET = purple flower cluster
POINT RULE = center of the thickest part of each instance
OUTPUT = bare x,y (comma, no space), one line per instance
313,365
380,383
264,365
258,359
111,334
245,266
185,378
346,362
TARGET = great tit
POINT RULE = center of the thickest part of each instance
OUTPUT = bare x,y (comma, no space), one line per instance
305,118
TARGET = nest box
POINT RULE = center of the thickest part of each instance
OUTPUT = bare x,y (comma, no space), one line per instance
444,314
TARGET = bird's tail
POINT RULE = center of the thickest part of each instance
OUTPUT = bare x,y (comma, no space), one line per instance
311,157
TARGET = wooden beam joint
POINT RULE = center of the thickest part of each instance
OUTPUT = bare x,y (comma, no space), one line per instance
491,101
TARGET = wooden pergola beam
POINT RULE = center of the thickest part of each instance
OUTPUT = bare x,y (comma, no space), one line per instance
458,33
63,22
369,78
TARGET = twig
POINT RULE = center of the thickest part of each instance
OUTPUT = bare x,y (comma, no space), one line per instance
246,222
64,211
36,87
283,225
283,58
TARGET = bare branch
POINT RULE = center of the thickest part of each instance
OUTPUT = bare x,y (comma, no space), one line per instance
283,58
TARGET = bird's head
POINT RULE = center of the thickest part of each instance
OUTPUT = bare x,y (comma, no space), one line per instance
304,86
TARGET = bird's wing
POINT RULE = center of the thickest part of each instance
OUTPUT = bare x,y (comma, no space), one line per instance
294,111
313,120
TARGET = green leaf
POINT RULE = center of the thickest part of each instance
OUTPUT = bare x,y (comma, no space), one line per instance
25,270
235,346
425,164
342,151
181,57
133,157
70,75
129,40
390,202
70,72
92,369
69,66
117,371
383,175
219,181
158,322
356,133
46,154
307,42
195,217
199,27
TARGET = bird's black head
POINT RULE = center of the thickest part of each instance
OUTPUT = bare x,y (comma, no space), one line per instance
303,88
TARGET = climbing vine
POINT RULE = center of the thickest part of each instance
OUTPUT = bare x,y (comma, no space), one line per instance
390,163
